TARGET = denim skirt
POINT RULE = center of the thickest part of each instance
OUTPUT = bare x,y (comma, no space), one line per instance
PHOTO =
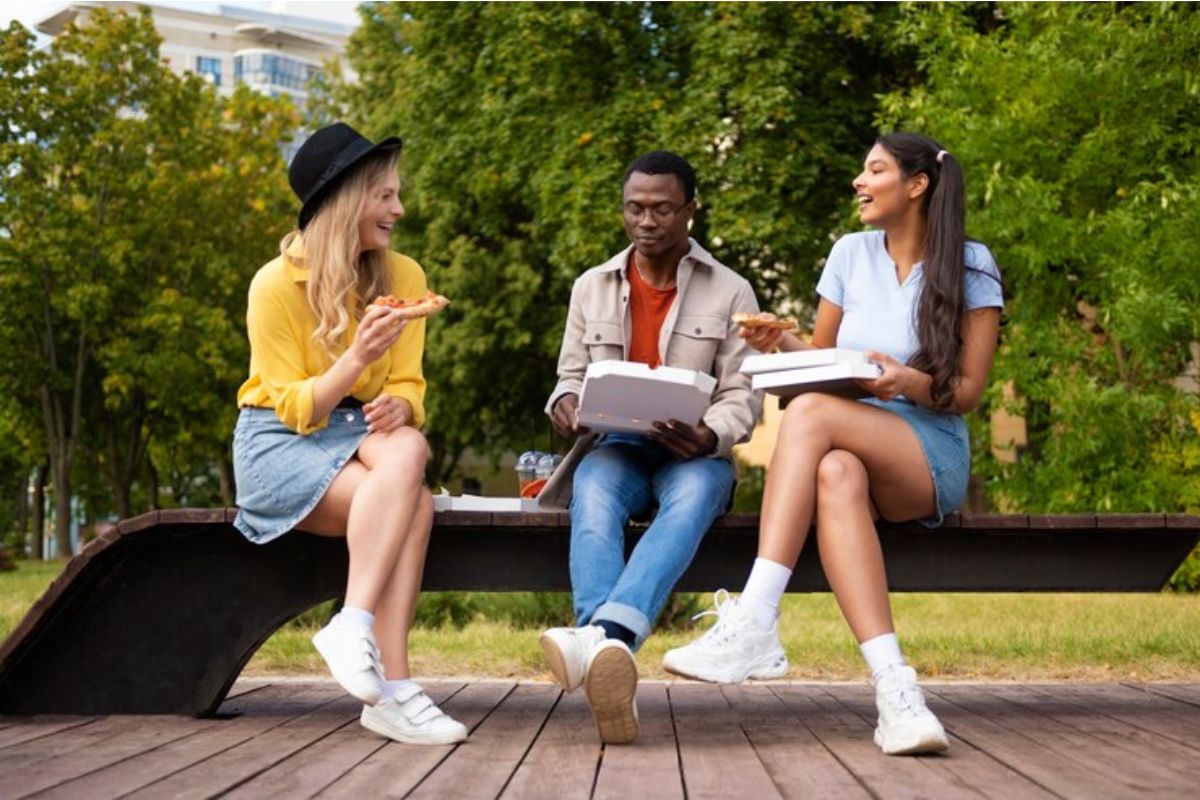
947,449
281,475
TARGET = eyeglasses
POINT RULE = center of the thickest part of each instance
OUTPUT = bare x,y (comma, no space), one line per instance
662,212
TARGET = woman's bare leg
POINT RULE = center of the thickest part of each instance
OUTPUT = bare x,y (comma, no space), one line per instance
849,545
398,604
813,425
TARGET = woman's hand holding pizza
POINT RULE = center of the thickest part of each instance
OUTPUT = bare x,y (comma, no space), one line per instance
378,331
763,331
387,413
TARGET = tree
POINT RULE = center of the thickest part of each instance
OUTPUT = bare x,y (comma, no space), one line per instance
1078,128
518,121
135,207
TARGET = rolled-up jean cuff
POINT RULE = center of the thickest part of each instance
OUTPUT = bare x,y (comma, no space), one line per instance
625,615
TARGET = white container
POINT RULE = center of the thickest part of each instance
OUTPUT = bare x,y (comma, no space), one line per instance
629,397
801,359
836,379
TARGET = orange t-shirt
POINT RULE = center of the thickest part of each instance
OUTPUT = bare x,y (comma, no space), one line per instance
648,307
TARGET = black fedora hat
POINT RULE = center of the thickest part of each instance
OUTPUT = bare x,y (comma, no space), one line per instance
327,157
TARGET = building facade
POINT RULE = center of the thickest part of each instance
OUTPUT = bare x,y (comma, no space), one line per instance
273,53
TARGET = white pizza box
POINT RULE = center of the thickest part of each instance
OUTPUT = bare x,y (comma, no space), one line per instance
471,502
836,379
628,397
801,359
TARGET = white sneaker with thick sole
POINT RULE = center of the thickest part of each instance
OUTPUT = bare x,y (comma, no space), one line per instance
906,726
611,684
732,650
568,651
353,658
413,719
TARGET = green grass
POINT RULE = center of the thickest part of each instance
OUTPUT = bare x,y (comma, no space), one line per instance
1145,637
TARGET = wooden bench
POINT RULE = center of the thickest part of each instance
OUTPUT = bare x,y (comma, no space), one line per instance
161,614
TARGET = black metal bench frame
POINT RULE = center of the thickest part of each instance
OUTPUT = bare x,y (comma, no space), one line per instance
161,614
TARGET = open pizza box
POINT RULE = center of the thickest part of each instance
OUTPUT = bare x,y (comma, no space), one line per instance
628,397
830,370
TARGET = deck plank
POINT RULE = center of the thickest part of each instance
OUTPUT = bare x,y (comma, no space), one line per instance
849,738
798,763
562,762
24,729
271,706
230,767
1081,765
1145,758
393,770
1137,707
652,761
1189,694
483,766
718,760
308,771
962,763
121,738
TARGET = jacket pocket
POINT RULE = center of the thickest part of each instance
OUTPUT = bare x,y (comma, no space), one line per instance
695,340
603,340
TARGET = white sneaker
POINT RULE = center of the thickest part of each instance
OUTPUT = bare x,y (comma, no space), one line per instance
730,651
611,684
905,725
413,719
353,658
568,652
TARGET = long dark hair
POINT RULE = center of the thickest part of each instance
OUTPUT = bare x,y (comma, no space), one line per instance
940,307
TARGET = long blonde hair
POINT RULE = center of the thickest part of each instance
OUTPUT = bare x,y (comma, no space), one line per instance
341,280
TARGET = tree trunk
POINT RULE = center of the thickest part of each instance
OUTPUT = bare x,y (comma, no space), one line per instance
152,474
39,510
225,476
23,510
62,506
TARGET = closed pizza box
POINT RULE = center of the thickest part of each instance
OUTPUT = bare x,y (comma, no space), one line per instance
838,379
470,502
628,397
801,359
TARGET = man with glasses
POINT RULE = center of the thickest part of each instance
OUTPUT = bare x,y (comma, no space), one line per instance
663,300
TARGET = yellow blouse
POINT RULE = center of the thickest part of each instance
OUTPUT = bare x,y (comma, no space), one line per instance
285,361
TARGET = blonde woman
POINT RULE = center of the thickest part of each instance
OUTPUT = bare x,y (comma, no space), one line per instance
327,438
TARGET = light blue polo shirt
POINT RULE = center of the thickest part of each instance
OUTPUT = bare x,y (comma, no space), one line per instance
879,312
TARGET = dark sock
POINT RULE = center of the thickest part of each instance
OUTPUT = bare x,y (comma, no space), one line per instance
613,630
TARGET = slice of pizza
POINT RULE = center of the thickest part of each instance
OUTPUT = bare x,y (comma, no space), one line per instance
415,307
765,320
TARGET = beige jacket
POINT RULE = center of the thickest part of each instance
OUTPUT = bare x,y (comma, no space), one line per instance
697,334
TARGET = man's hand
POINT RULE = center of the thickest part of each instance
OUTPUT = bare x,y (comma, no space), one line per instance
684,441
565,416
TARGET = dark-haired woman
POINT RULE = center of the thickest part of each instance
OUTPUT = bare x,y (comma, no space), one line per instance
925,304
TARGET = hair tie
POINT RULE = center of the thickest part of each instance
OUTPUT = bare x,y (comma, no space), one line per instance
941,156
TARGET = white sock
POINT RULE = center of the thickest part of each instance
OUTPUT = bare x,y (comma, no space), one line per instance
392,688
768,581
356,616
881,652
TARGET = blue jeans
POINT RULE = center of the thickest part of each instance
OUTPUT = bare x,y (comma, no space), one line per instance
627,476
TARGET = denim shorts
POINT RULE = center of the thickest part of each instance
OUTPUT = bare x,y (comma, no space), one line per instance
281,475
947,449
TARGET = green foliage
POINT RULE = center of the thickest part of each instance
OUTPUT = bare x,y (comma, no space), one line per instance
518,121
1077,125
135,206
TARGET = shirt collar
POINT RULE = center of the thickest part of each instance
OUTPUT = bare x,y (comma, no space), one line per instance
696,253
292,258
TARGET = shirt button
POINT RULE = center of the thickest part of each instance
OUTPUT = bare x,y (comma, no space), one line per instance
697,331
349,418
597,337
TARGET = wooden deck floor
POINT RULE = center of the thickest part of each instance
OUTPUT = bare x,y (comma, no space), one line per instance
291,739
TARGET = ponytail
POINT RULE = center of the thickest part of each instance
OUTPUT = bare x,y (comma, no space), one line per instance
940,306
